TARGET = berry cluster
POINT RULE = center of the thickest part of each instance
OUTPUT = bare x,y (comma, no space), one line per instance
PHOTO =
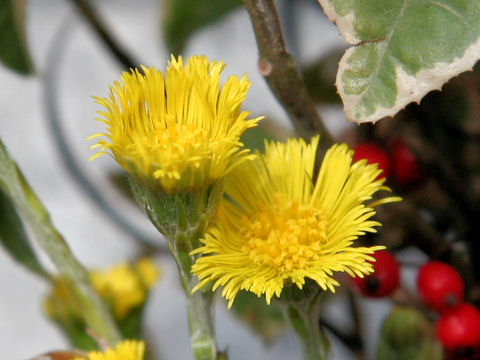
442,289
398,161
439,285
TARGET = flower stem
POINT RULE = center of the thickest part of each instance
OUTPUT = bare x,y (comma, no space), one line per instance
76,277
302,309
200,324
182,218
314,342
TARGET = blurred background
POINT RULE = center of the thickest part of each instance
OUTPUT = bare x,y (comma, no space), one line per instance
46,117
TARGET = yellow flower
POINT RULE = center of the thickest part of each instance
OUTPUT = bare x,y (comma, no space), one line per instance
125,350
281,227
147,271
124,286
179,131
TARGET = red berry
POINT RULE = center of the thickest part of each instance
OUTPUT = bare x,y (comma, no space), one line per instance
374,154
459,327
384,279
405,167
439,285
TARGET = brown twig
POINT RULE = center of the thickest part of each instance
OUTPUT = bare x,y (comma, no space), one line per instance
281,72
93,18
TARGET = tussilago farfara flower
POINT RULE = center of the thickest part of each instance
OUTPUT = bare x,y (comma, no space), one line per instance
125,350
124,286
179,131
281,227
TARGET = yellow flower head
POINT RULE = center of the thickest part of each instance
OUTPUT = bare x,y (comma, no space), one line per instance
179,131
281,227
125,350
125,287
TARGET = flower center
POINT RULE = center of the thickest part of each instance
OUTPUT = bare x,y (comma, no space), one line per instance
284,235
178,147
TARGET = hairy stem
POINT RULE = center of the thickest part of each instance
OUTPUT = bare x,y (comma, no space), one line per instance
281,72
182,219
202,338
304,320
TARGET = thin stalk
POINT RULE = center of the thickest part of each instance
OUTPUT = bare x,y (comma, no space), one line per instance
182,218
95,21
301,307
281,71
313,340
29,205
202,338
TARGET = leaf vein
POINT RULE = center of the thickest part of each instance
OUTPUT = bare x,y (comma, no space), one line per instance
387,40
450,10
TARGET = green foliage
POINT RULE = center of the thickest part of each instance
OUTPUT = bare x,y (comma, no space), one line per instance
403,49
24,199
407,335
13,48
13,236
320,77
181,18
254,138
131,325
14,239
75,332
265,320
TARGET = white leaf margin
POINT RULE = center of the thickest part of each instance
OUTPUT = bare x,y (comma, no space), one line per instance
409,88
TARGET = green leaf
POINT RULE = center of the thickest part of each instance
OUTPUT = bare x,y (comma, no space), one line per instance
27,203
77,334
402,50
14,238
13,47
265,320
183,17
131,325
254,138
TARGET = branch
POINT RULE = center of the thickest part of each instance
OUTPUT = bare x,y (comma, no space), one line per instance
125,59
281,72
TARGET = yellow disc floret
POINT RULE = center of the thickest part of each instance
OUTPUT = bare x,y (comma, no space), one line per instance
284,235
